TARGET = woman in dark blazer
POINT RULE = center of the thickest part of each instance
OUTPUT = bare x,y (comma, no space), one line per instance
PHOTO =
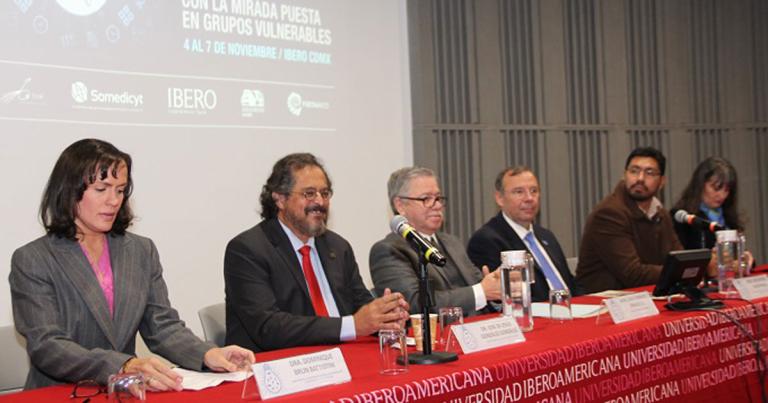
712,194
82,291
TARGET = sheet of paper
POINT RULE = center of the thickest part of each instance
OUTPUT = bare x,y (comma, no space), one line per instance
578,311
611,293
194,380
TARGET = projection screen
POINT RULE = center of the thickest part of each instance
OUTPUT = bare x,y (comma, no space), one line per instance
205,95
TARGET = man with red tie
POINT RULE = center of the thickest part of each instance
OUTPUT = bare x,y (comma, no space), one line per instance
290,281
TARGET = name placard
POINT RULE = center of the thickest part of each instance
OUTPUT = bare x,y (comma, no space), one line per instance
299,373
631,307
479,336
752,287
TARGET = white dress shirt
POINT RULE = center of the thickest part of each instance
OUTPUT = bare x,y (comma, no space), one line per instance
477,289
522,232
347,322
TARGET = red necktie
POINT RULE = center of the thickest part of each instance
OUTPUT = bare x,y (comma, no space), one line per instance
314,288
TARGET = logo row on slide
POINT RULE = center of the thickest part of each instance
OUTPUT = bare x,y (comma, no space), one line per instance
179,100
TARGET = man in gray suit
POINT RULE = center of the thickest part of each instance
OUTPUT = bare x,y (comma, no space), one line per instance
415,194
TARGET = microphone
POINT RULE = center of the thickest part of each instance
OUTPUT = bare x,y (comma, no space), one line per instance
683,217
400,226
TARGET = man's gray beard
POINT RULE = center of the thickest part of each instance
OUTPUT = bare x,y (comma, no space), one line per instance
305,228
319,229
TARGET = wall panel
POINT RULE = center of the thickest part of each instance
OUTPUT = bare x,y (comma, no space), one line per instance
569,87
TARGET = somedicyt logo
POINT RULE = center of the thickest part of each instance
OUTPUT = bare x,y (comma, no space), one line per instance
22,95
296,104
251,102
92,98
197,101
79,92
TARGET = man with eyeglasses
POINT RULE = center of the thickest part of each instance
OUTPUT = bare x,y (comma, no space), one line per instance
513,228
289,281
628,234
414,194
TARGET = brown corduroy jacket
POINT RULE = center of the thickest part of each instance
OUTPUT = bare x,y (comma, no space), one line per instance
621,247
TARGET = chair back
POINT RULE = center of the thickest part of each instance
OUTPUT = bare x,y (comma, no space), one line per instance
15,362
213,319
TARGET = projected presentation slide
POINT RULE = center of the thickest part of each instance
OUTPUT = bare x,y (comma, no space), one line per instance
176,63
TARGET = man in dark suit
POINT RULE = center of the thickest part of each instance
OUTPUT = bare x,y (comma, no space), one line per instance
414,194
289,281
517,195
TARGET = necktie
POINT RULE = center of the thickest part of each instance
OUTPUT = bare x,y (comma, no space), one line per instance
549,272
314,288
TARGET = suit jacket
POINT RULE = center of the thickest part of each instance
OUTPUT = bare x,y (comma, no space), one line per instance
267,301
393,265
60,308
487,243
621,247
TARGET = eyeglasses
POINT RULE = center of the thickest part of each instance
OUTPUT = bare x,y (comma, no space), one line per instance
635,171
311,194
519,193
428,201
87,388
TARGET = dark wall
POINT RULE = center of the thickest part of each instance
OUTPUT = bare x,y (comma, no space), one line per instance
569,87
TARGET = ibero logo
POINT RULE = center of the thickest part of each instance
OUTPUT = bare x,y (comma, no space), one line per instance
191,100
82,95
296,104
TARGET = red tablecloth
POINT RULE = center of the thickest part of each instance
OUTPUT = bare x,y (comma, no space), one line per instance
675,355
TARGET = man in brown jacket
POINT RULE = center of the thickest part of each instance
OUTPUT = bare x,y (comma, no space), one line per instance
628,234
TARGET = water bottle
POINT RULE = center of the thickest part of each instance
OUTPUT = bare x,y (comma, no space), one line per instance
516,277
745,271
730,264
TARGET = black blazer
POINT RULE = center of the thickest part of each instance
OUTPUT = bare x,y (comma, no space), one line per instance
486,244
267,301
692,237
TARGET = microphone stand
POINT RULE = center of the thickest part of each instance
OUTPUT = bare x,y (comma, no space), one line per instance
427,356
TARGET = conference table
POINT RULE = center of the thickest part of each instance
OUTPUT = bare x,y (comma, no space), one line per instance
681,356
